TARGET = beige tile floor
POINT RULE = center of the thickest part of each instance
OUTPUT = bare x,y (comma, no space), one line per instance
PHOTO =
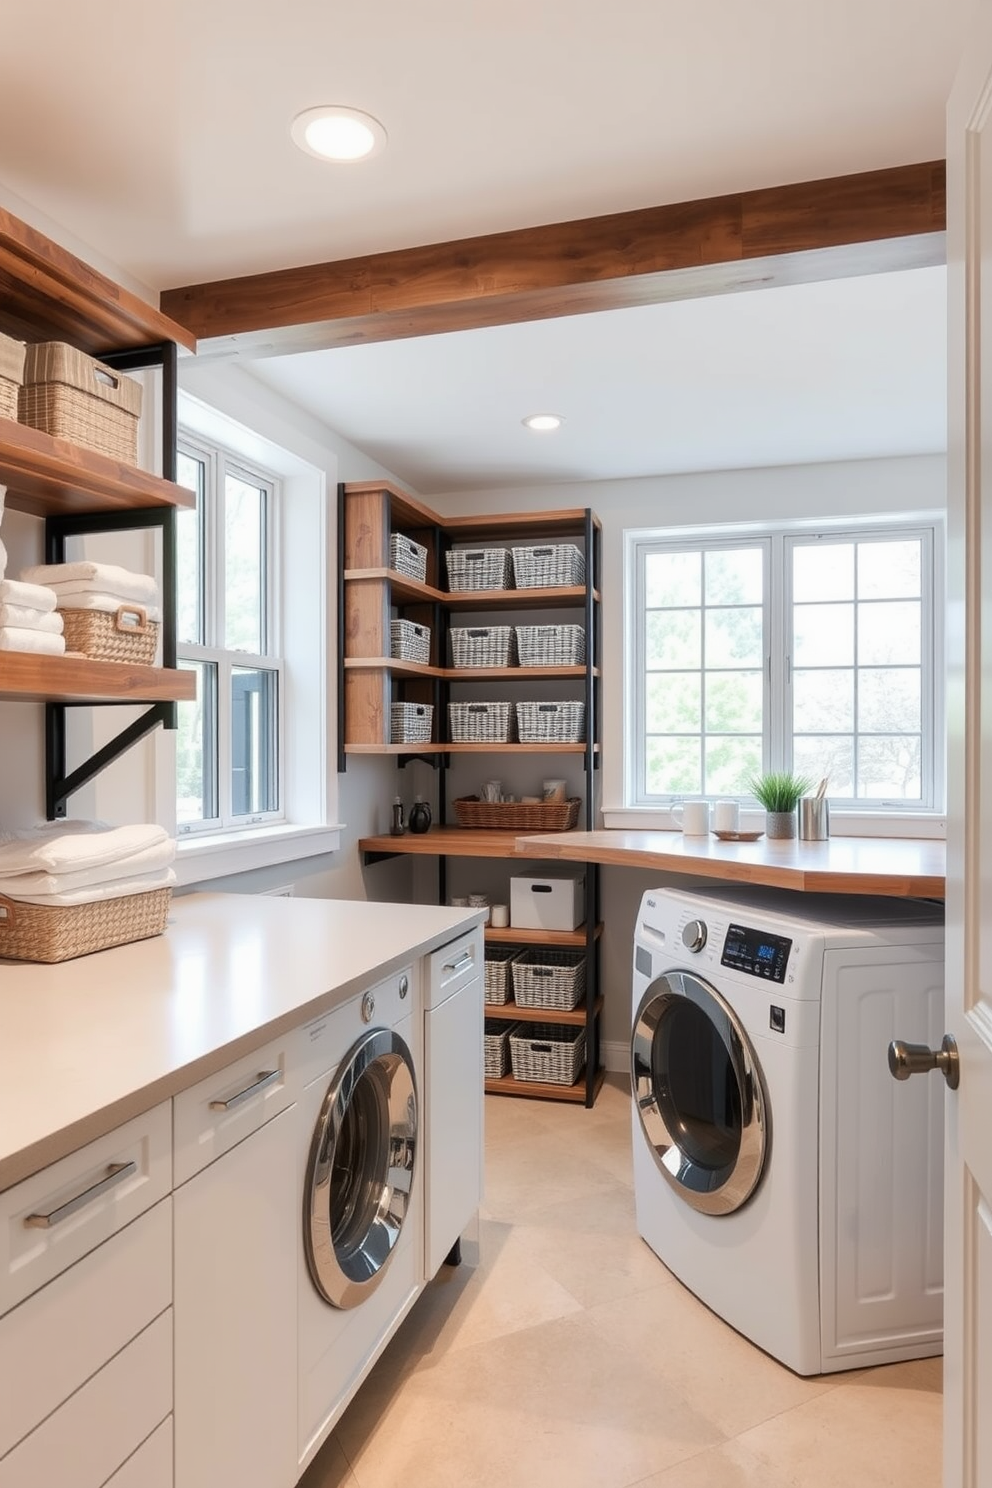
562,1353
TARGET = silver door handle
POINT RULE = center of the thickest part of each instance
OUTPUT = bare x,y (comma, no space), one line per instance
265,1078
465,959
919,1059
115,1174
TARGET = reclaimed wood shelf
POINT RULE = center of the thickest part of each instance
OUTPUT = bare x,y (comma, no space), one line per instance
509,936
562,596
435,748
567,522
513,1014
47,293
455,842
398,667
52,477
27,676
402,588
535,1089
393,665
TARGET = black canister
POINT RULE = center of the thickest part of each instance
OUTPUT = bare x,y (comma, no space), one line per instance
420,816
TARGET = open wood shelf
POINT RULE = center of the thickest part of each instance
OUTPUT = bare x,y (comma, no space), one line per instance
393,666
509,936
455,842
51,477
568,522
26,676
562,596
513,1014
47,293
403,589
465,674
433,748
536,1090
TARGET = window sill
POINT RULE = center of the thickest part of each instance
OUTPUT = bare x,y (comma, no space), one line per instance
204,855
842,823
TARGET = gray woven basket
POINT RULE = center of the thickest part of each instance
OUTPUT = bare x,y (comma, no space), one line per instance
479,568
549,979
557,564
547,1053
496,1044
551,645
410,723
409,642
498,983
482,645
408,557
481,723
551,723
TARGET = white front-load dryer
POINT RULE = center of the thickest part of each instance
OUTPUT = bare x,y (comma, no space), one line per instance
779,1171
360,1194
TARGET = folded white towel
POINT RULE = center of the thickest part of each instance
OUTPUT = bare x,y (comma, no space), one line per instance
114,890
73,845
34,596
109,603
135,865
25,618
3,559
19,638
105,577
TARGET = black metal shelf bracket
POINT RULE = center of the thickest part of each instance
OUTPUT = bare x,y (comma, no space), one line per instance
59,785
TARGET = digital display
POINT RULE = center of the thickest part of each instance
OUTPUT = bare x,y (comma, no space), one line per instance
756,952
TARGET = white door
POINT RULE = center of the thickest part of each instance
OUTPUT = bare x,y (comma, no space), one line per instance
968,1200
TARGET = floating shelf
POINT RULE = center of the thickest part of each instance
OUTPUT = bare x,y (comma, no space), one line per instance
52,477
509,936
26,675
455,842
464,674
513,1014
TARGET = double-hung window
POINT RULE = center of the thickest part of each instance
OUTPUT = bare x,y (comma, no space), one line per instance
787,649
229,741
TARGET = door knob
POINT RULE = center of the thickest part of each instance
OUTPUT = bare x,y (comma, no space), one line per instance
918,1059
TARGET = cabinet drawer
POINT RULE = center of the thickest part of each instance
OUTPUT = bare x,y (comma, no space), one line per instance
212,1117
97,1429
151,1465
57,1216
65,1333
454,965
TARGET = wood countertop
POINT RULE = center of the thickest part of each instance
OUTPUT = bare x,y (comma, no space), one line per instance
910,867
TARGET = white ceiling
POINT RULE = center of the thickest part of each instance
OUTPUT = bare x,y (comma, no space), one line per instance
159,135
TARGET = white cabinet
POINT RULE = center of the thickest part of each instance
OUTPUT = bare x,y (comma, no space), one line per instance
453,1018
236,1240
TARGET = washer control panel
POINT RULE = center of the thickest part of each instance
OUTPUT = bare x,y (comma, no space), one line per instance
757,952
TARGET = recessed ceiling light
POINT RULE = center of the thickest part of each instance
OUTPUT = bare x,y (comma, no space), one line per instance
542,422
333,132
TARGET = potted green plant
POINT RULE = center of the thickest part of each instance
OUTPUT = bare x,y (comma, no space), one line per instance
779,792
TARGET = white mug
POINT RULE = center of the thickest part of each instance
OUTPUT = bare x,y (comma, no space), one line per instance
693,817
726,816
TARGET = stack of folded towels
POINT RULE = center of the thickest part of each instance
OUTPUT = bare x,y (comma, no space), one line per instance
96,586
80,862
28,621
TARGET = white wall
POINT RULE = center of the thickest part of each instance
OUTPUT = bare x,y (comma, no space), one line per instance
780,493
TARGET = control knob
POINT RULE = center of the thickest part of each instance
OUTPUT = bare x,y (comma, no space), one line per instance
694,935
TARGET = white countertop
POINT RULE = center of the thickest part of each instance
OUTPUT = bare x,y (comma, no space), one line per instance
90,1043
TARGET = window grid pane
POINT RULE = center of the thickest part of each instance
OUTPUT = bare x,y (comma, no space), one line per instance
244,565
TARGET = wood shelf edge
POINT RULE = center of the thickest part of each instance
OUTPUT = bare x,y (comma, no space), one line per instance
27,676
510,1013
575,939
48,476
533,1090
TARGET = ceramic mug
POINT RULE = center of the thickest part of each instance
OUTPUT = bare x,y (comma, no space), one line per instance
726,816
693,817
499,917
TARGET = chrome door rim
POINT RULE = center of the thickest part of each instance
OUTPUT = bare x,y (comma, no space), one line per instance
738,1180
380,1063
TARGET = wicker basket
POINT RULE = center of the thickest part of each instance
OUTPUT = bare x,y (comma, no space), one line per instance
126,635
517,816
482,646
549,979
410,723
498,983
408,557
409,642
481,723
11,374
548,567
69,395
58,932
551,723
496,1041
551,645
547,1053
479,568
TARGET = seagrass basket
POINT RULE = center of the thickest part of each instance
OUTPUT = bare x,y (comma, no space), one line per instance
11,374
123,635
72,396
59,932
517,816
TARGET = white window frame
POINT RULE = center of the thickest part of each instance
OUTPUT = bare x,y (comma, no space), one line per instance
218,463
917,818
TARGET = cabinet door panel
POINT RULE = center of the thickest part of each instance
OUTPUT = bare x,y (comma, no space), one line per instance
151,1465
454,1118
237,1238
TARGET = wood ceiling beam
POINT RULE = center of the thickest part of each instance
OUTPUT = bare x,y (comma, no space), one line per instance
873,222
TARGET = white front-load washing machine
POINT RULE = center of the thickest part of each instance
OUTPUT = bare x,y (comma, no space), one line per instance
779,1171
361,1194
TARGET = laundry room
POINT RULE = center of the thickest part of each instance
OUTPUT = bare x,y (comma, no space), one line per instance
491,710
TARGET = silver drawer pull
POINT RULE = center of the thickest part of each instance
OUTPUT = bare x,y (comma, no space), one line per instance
116,1173
465,959
265,1078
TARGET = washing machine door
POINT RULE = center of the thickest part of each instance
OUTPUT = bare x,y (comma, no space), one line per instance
360,1171
698,1091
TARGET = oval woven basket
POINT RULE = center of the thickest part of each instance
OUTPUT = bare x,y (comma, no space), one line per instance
518,816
